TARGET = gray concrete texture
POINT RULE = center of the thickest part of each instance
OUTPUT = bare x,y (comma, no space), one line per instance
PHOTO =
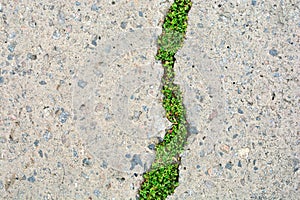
80,106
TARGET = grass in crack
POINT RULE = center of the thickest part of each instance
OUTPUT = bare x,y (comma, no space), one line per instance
160,183
162,178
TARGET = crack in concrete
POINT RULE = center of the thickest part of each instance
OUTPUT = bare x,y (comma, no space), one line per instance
162,179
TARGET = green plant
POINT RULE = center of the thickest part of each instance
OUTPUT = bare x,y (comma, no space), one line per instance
162,178
160,183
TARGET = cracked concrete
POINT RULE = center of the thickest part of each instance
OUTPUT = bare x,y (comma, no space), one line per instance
80,107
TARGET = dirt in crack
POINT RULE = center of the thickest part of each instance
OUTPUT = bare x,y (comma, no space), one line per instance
162,178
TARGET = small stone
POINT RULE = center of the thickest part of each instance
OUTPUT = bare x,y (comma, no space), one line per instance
1,79
47,135
235,136
240,111
108,116
61,17
36,143
94,42
202,153
77,3
239,164
31,56
225,148
32,23
209,184
228,165
42,82
56,35
75,154
145,108
151,147
84,175
11,47
273,52
10,57
193,130
136,115
276,74
128,155
239,91
24,137
200,25
97,193
208,172
123,25
253,2
31,179
63,117
94,7
82,83
59,164
86,162
141,14
104,164
72,71
296,162
136,160
40,153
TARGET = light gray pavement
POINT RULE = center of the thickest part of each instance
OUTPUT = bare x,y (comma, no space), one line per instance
239,70
80,101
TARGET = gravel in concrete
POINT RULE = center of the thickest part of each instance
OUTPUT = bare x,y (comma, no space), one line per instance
80,107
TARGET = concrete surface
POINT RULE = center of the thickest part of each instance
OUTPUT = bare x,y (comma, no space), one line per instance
81,107
239,70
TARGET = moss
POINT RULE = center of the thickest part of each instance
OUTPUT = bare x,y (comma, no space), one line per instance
160,183
162,178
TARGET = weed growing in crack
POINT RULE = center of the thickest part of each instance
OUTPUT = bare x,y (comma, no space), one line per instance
162,178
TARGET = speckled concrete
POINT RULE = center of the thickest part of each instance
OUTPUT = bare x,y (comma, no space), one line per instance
80,101
80,107
239,71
